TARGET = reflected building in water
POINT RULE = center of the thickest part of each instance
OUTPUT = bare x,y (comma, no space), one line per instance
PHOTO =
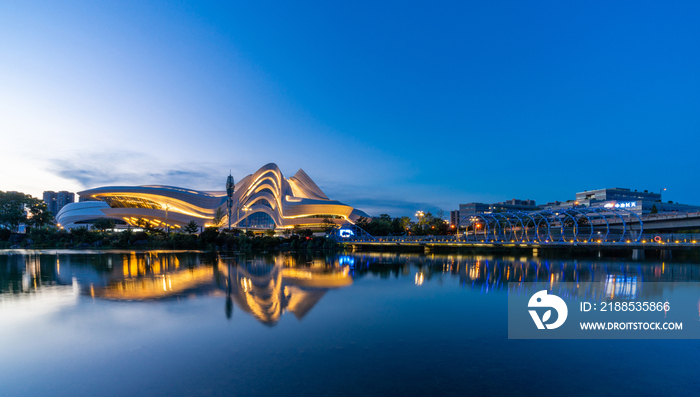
267,291
264,287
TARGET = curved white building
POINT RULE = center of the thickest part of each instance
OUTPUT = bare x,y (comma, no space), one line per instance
263,200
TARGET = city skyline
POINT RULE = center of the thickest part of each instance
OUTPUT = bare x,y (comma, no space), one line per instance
390,108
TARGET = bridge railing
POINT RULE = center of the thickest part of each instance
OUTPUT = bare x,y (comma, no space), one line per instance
671,237
467,238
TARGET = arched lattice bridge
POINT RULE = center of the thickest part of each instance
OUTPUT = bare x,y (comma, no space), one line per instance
585,228
602,225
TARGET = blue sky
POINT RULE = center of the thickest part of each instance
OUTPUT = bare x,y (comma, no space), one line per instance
390,107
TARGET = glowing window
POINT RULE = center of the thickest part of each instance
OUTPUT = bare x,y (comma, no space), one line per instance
258,220
130,202
263,202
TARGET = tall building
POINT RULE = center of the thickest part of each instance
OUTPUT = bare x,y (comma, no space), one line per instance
616,194
55,201
641,203
514,205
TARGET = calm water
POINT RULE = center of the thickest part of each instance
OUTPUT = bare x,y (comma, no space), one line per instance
165,323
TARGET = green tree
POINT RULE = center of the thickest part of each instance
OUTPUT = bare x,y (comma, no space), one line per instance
219,217
380,226
208,236
144,224
80,234
12,209
328,225
654,210
307,233
440,214
363,223
18,208
270,233
191,228
104,224
400,225
125,238
39,214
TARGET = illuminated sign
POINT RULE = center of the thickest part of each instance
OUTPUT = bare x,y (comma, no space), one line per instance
632,204
345,233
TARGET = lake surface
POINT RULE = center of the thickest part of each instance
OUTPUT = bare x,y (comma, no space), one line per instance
181,324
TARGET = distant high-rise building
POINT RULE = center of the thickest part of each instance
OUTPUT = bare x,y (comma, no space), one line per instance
56,200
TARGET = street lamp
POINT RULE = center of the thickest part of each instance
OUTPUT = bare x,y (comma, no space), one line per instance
419,215
230,186
167,207
245,210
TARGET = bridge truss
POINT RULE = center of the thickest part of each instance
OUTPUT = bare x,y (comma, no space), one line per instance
565,225
350,232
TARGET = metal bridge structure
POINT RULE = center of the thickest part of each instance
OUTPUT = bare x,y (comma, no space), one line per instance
572,225
581,228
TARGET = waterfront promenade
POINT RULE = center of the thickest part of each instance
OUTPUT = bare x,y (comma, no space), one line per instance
662,243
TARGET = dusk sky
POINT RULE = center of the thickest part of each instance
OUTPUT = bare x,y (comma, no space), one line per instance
391,107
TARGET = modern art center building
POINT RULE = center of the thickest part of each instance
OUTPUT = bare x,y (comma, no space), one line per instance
263,200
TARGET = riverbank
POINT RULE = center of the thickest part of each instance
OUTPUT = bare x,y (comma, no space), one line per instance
209,240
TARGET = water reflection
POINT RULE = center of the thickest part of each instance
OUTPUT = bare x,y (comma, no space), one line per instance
268,290
268,286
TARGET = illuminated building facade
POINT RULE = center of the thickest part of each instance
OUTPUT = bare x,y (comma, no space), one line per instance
262,200
640,203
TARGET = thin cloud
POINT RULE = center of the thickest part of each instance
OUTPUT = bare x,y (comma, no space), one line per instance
374,207
132,169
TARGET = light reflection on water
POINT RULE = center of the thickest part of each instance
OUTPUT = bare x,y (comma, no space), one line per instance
268,286
372,310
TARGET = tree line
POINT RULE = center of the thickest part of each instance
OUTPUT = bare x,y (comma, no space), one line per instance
211,239
22,209
385,225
